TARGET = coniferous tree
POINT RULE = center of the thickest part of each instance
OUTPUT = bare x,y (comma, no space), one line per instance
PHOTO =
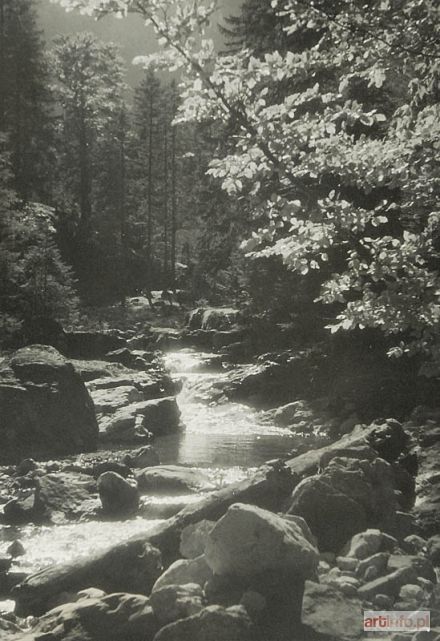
90,91
25,99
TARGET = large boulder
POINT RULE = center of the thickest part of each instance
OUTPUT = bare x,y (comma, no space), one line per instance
211,624
172,479
133,423
332,515
249,541
45,409
161,415
112,617
349,495
118,495
132,566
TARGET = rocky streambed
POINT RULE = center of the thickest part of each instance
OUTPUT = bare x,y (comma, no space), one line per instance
197,517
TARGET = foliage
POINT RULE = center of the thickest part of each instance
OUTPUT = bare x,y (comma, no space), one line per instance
342,166
34,281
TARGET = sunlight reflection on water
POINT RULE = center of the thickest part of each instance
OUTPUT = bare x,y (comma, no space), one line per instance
228,440
52,545
219,434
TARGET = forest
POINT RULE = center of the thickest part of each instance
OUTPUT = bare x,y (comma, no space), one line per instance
220,322
301,158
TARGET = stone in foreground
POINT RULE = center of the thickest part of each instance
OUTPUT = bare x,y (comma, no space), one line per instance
113,617
248,540
45,408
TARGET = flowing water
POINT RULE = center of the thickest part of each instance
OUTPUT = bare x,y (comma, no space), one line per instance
226,439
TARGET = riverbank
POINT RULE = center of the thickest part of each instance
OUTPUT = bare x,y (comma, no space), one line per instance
182,489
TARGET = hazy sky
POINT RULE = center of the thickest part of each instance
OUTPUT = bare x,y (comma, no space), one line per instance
130,33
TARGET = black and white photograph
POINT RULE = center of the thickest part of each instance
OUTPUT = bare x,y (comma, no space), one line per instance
219,320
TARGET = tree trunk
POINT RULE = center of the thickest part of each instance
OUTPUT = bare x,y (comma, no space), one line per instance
165,207
2,65
150,189
85,179
122,210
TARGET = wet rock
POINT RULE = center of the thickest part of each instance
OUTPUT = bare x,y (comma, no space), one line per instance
207,318
124,427
45,408
157,416
248,540
144,457
185,571
62,495
211,624
174,602
132,567
268,488
274,380
16,549
161,415
108,401
115,617
327,612
194,538
19,510
5,562
118,495
172,479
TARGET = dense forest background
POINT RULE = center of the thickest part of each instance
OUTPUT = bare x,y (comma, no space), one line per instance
293,173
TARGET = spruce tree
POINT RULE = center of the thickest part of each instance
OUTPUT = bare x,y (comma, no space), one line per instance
25,99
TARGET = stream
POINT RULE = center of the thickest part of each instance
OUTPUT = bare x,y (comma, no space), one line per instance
228,440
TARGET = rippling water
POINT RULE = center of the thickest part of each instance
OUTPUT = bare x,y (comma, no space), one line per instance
228,440
225,434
